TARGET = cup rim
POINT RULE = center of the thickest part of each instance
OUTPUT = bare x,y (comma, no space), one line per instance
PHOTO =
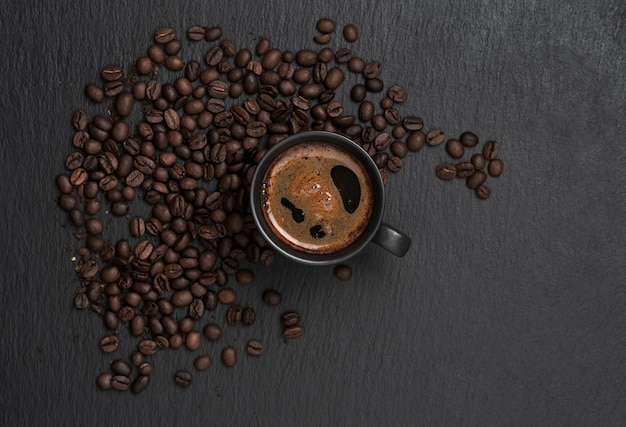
274,241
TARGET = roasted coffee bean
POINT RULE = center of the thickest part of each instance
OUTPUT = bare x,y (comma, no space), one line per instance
468,139
272,297
445,171
491,150
372,70
202,363
374,85
397,93
366,111
103,381
147,347
496,167
478,160
413,123
121,367
343,55
476,179
94,93
213,33
392,116
244,276
350,33
218,89
112,73
113,88
306,58
378,122
464,169
382,141
248,316
196,309
454,148
292,332
109,344
394,164
226,296
435,137
212,332
183,379
416,140
254,347
399,148
343,272
79,120
196,32
193,340
139,384
358,92
311,90
334,78
234,314
256,129
325,25
120,382
290,318
483,192
164,35
229,356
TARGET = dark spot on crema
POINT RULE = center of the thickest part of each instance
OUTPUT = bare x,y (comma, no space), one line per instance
317,232
296,214
348,185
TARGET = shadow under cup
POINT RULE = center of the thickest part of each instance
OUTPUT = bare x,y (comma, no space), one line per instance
378,198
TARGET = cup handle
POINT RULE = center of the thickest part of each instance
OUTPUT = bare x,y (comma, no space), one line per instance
392,239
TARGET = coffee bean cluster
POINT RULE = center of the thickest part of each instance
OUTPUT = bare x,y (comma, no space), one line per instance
184,148
473,169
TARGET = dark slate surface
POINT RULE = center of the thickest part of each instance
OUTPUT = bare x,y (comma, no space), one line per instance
505,312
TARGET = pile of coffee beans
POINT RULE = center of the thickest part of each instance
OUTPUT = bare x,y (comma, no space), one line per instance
172,155
473,169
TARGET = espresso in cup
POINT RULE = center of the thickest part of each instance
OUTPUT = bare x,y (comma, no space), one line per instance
317,197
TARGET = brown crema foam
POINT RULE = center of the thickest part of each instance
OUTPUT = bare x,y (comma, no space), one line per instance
317,197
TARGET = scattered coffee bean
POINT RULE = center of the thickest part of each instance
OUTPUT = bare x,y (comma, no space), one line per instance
291,332
445,171
464,169
435,137
212,332
491,150
254,347
272,297
290,318
183,379
229,356
109,344
476,179
343,272
248,316
120,382
350,33
202,363
496,167
483,192
139,384
104,381
454,148
478,160
121,367
468,139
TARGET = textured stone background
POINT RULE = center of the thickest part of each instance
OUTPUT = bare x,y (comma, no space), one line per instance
509,311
